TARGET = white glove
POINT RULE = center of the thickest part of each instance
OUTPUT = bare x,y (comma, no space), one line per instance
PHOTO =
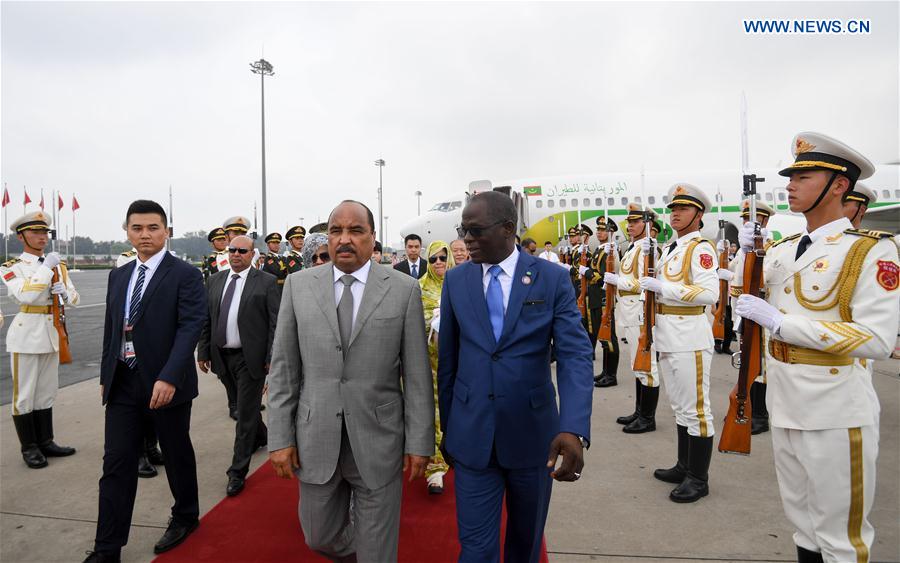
52,260
720,246
436,323
59,288
745,237
582,270
646,245
608,247
759,311
611,278
651,284
255,258
726,275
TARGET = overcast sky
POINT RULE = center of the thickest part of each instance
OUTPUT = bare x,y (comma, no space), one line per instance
116,101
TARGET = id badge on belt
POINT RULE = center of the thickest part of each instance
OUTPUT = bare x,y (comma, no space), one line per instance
129,342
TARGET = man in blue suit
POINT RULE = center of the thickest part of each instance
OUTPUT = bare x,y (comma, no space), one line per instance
502,430
155,311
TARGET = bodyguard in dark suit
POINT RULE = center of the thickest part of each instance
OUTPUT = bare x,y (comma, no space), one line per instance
237,341
414,265
155,310
502,429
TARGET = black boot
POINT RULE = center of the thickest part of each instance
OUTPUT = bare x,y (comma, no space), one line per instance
807,556
43,420
145,468
676,474
637,404
759,422
696,483
718,346
599,376
31,453
646,422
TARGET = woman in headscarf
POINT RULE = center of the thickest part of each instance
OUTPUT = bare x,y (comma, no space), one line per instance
440,260
315,250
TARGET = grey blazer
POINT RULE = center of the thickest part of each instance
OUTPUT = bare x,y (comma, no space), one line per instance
313,388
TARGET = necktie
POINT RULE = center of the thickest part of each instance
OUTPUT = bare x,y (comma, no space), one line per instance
414,269
222,322
495,302
345,312
671,247
135,306
802,246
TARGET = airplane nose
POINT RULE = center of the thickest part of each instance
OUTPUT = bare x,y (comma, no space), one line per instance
415,226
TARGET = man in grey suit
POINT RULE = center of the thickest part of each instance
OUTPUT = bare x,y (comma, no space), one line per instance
237,342
340,417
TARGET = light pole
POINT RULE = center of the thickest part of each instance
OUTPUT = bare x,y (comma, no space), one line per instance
384,238
380,164
263,68
418,202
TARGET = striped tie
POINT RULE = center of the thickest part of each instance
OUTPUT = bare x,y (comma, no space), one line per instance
135,306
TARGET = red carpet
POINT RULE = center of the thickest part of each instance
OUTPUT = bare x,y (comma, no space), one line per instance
261,524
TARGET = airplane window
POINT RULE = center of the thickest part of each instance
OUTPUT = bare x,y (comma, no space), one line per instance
562,203
455,205
768,197
652,199
780,196
598,202
896,193
624,201
550,203
637,199
574,202
665,199
886,193
587,202
539,204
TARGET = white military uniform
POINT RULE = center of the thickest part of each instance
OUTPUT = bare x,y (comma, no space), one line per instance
683,334
630,311
126,257
32,339
840,305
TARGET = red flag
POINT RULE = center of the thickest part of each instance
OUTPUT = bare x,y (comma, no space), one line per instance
75,203
60,201
27,199
5,200
41,204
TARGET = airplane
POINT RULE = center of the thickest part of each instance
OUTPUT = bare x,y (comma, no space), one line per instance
547,206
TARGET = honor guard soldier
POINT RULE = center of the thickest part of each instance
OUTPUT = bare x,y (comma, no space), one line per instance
734,275
857,202
32,339
126,257
831,307
273,262
293,261
596,300
685,283
629,312
573,256
216,238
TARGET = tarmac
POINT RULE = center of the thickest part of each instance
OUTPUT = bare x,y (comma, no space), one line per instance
616,512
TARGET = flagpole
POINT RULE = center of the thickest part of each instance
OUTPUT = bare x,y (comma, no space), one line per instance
73,236
54,242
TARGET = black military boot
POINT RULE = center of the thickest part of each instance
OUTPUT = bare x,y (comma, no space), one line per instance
145,468
637,404
646,421
759,422
696,483
718,346
807,556
677,473
31,453
43,421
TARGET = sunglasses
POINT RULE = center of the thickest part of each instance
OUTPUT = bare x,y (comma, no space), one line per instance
476,232
241,251
322,257
436,257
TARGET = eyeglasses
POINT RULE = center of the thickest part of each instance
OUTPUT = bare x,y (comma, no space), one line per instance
241,251
436,257
476,232
322,257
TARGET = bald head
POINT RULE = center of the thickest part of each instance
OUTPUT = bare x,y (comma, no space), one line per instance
240,253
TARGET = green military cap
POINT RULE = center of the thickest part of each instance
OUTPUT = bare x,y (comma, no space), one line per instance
273,237
604,224
572,231
295,231
216,234
585,230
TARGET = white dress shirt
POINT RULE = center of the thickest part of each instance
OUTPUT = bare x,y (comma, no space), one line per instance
508,265
828,229
356,288
232,334
549,255
417,263
152,264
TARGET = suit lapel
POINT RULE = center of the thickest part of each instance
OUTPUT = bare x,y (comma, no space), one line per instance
164,266
249,283
517,293
120,293
373,295
475,290
326,302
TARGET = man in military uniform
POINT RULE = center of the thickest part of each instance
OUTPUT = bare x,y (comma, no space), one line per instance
685,284
216,238
630,313
596,301
831,307
573,255
735,276
857,202
32,339
293,260
125,257
273,262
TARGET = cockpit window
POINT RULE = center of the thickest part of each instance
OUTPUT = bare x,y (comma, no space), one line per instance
445,206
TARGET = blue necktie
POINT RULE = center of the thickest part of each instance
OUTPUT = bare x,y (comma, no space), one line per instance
414,269
135,306
495,302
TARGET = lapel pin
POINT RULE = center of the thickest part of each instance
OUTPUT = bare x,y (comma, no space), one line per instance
526,279
821,265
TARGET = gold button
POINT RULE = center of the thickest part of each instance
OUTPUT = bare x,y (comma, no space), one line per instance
815,287
787,289
783,312
833,371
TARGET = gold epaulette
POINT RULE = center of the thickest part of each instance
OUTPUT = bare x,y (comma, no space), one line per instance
792,237
878,235
9,263
128,253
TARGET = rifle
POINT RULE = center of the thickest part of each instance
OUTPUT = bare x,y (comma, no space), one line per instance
59,321
582,305
735,436
604,332
642,359
718,327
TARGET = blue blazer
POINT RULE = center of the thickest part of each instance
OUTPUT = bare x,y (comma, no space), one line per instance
499,395
166,331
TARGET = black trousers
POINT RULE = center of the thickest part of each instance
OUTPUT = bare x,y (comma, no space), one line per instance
250,431
125,430
230,388
610,350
